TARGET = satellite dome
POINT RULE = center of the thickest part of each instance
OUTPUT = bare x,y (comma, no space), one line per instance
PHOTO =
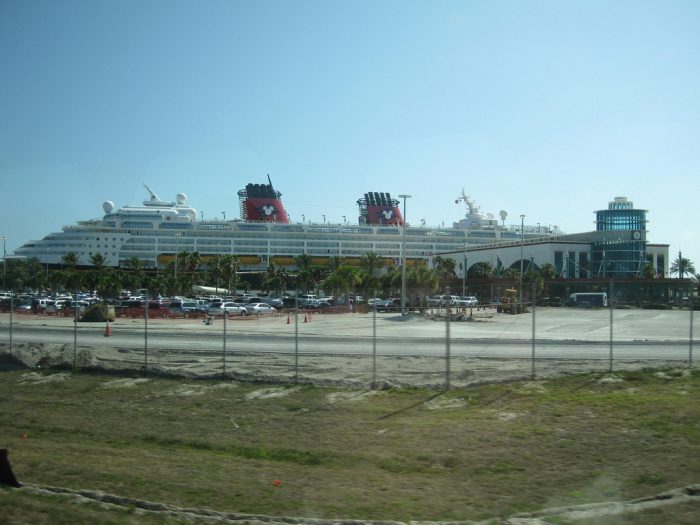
503,214
181,198
108,206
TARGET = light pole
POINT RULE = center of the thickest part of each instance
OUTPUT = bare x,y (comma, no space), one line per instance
403,257
177,249
4,262
464,275
522,243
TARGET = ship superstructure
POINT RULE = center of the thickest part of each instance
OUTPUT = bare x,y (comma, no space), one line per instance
157,230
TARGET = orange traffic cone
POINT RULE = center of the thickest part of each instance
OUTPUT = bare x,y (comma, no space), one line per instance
108,330
288,320
306,318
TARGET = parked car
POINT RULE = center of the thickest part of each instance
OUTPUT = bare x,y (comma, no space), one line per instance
40,304
23,306
58,305
392,305
132,303
315,304
260,309
184,307
230,308
470,300
435,300
275,302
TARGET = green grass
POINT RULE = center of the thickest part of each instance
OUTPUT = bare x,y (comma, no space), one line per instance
410,454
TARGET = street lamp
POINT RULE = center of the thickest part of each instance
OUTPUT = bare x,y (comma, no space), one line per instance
522,242
403,257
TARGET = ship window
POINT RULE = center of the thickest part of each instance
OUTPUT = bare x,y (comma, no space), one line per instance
252,227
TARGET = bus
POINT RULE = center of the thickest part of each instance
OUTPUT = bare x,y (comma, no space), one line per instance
588,299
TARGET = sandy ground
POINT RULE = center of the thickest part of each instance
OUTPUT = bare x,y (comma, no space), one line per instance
359,370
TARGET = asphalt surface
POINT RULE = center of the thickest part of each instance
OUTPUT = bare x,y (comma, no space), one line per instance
559,333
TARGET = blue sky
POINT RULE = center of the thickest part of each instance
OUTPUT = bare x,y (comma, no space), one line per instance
546,108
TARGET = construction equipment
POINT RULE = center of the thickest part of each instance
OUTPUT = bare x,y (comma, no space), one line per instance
510,303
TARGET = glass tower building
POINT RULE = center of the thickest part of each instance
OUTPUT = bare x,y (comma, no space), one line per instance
620,246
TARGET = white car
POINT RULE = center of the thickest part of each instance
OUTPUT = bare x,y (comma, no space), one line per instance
230,308
260,309
470,300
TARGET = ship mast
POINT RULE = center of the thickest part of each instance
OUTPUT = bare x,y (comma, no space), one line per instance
473,208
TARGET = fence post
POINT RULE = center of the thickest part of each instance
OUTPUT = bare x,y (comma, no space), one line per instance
296,336
610,305
447,347
223,373
533,329
145,334
12,308
374,342
690,349
75,331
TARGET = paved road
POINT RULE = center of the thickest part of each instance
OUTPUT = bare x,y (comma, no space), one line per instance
560,333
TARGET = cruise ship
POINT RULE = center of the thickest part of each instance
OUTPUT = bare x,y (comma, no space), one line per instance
158,229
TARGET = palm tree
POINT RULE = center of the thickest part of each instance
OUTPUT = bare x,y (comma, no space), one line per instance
273,280
648,271
681,266
161,284
335,262
370,264
230,264
533,276
390,282
135,276
304,265
70,260
188,263
510,274
110,284
342,281
94,277
17,276
421,281
480,270
444,266
548,271
98,261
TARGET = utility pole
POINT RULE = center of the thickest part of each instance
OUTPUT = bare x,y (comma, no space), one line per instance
522,242
403,257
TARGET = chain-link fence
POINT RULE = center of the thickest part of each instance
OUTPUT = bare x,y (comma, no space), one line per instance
439,348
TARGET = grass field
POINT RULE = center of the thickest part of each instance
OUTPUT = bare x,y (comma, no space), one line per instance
401,454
